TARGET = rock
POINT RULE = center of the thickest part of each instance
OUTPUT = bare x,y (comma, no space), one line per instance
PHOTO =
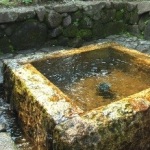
25,13
6,45
8,15
3,26
2,33
2,127
143,7
63,41
104,87
108,15
57,31
77,15
114,28
65,8
143,21
134,30
104,90
41,12
119,5
16,14
85,34
11,28
64,14
76,42
131,17
94,10
86,22
6,142
134,18
147,31
53,19
30,34
67,21
131,6
71,31
119,16
98,29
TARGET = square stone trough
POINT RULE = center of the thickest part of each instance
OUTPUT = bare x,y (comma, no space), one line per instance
53,120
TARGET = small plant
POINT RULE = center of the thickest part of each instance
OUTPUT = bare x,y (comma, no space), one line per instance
76,22
146,22
4,2
26,1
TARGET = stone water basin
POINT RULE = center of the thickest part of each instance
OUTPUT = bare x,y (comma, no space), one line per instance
59,106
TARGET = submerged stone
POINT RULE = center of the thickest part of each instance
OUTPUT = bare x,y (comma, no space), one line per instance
104,87
104,90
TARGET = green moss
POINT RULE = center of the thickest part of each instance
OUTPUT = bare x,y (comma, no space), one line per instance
119,15
85,23
77,16
84,34
71,31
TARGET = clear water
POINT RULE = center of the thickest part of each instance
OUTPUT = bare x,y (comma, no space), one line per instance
78,76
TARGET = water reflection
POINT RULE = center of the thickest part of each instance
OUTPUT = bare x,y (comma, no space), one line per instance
79,75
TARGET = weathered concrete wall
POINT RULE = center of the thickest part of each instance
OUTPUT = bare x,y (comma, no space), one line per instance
70,24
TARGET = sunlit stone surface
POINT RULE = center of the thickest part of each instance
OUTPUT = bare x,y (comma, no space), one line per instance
52,119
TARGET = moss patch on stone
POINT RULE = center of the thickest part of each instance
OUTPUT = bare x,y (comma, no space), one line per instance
84,34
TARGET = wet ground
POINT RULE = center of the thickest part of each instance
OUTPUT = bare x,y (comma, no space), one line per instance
8,118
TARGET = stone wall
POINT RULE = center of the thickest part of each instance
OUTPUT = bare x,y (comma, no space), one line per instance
70,24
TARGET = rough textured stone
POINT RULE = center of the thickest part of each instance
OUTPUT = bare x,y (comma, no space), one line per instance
119,16
119,5
41,12
114,28
147,31
143,7
25,13
131,17
30,34
134,17
6,45
66,8
94,10
76,42
67,21
8,15
71,31
11,28
131,6
85,22
85,34
108,15
2,33
143,21
53,19
57,31
98,30
63,41
134,30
